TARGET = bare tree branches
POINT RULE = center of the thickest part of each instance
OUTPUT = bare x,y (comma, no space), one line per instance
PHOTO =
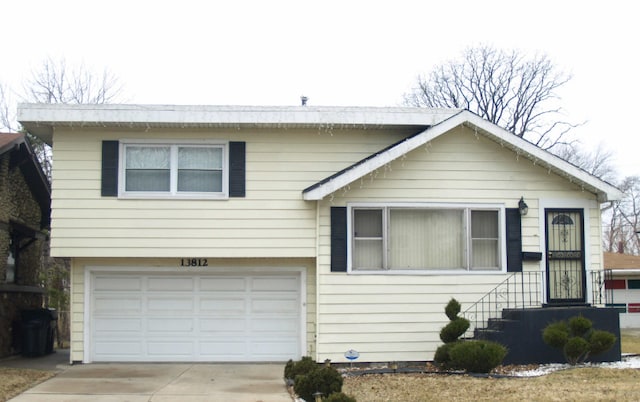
7,114
504,87
623,220
55,82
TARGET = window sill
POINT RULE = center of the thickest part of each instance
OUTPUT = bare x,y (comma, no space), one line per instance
425,272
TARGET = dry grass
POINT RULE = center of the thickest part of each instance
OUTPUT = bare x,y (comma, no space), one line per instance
578,384
585,384
15,381
630,340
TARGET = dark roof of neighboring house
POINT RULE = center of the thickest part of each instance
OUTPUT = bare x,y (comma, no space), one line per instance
9,140
621,261
23,156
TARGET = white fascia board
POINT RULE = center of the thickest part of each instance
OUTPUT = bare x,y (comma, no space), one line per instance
624,272
184,114
40,119
605,191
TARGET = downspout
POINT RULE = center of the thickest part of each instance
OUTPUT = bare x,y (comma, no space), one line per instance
315,324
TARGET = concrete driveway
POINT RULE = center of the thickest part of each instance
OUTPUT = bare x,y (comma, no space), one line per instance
162,382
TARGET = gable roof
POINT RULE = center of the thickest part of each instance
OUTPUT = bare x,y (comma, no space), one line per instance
621,261
603,190
21,154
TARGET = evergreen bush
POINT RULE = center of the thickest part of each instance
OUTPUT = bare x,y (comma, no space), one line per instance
303,366
577,339
476,356
325,379
472,356
339,397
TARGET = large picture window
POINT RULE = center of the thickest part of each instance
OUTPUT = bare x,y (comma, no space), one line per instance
174,170
425,238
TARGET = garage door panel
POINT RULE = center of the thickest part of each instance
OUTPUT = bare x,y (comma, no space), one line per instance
219,305
270,350
105,350
117,283
167,324
112,324
170,349
169,303
117,304
223,325
173,283
223,284
223,350
264,305
274,324
270,283
195,318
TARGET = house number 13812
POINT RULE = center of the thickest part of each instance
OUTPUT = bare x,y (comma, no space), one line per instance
194,262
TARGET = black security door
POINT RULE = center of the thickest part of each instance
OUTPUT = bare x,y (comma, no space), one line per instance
565,256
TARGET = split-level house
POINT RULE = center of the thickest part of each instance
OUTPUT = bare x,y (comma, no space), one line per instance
217,233
24,223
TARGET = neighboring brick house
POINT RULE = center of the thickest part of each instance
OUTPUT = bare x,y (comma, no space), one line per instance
24,216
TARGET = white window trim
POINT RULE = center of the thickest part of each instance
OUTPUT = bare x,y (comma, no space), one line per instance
477,206
122,193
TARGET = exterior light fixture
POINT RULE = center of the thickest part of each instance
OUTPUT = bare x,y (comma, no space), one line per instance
523,207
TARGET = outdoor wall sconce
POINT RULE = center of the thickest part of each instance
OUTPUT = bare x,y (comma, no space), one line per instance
523,207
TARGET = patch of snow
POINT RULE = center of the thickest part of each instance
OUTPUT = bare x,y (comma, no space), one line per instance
627,362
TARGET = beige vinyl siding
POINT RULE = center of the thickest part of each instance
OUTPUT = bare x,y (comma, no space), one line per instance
79,265
271,221
397,317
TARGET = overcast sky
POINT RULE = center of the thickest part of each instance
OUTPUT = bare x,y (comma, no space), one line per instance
355,53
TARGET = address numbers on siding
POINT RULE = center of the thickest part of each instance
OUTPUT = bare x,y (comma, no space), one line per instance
194,262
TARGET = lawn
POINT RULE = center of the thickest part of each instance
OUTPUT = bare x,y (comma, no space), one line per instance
589,384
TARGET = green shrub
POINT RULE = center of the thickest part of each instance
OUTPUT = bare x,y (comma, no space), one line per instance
339,397
601,341
579,325
302,366
454,329
578,340
556,334
472,356
476,356
452,309
442,357
325,379
576,350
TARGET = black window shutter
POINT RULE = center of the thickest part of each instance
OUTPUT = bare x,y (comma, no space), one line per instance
514,240
237,175
110,151
338,239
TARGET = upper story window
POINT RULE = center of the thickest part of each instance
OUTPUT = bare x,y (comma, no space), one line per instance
176,170
426,238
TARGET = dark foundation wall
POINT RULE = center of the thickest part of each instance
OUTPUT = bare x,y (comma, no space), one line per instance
521,332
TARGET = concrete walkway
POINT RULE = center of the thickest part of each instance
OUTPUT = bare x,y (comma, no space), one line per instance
156,382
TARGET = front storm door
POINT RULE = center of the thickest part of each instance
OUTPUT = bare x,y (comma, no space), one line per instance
565,256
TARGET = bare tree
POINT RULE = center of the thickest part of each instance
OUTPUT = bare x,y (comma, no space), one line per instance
598,162
7,115
504,87
623,220
55,82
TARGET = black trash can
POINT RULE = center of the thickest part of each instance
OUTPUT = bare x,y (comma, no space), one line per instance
38,331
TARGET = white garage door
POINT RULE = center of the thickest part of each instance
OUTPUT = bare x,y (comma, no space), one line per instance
167,317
